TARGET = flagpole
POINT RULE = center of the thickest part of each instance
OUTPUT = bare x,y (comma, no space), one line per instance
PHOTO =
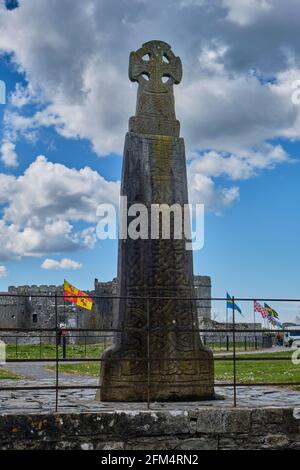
254,318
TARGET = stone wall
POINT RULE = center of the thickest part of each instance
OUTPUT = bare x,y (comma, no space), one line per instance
202,286
247,330
36,309
14,312
199,429
249,335
107,306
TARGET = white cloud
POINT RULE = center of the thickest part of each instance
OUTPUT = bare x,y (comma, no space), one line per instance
225,102
232,167
75,75
203,190
229,114
49,190
243,165
246,11
64,263
8,154
211,58
3,271
42,207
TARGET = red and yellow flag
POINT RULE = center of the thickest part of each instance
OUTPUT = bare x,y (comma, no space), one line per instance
84,301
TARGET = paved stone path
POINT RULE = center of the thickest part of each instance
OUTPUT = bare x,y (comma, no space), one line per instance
35,370
30,370
43,401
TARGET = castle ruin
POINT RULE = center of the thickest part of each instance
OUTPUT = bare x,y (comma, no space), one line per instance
33,307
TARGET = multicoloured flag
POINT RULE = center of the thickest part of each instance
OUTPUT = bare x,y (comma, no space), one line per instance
83,301
271,311
274,322
260,309
271,320
231,304
278,323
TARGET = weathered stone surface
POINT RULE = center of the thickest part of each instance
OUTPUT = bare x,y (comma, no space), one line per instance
220,422
171,363
201,443
149,430
82,400
276,441
155,109
274,422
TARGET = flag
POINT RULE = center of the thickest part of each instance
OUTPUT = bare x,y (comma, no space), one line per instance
271,319
278,323
83,301
274,322
262,310
231,304
271,311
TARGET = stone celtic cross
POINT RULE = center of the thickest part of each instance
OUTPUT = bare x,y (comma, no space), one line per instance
158,353
156,68
156,61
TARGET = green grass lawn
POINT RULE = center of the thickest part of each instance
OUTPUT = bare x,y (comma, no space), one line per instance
247,371
48,351
259,371
5,374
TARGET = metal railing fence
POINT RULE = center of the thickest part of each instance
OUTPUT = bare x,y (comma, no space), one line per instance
229,333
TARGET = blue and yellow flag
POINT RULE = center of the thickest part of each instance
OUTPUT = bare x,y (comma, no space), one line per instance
231,304
271,311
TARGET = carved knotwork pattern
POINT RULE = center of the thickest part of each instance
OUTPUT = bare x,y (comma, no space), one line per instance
154,173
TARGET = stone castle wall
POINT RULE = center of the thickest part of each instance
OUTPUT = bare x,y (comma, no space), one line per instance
35,308
202,285
14,312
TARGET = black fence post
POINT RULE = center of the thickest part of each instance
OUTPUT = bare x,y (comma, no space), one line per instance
245,341
56,350
64,344
148,355
234,354
227,343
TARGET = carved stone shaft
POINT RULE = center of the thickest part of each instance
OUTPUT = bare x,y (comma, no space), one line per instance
170,362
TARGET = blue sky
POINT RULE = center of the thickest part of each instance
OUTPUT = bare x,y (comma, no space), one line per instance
240,128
